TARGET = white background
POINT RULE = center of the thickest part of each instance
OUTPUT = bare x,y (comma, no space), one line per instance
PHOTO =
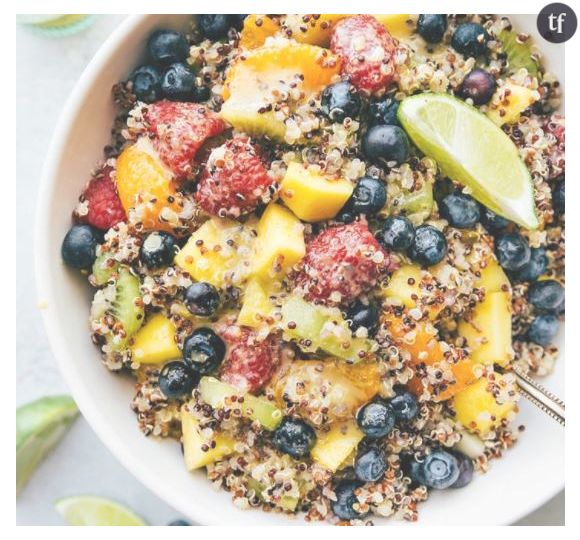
46,70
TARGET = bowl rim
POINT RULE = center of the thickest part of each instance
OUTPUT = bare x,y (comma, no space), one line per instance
57,341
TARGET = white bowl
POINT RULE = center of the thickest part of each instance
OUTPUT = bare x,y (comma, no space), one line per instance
530,474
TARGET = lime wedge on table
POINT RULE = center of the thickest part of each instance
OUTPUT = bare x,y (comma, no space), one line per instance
96,511
40,425
469,148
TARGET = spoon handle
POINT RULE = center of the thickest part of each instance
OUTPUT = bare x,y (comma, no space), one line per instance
552,405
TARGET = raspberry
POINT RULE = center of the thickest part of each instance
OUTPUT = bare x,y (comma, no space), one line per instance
249,362
179,130
104,207
341,263
367,50
235,180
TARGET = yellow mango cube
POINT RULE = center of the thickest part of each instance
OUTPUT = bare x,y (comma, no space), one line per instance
493,278
193,440
311,196
311,29
155,341
477,408
400,26
280,242
218,252
256,305
334,447
509,102
489,332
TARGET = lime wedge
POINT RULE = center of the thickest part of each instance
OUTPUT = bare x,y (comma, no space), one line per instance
470,149
40,425
96,511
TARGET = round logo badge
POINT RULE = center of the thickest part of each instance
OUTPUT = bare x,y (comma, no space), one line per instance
557,23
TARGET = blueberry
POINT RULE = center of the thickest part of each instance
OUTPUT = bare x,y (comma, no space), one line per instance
202,299
180,523
479,86
237,20
177,380
536,266
167,47
465,471
346,215
460,210
412,468
512,251
543,329
79,246
432,27
546,295
386,144
339,101
158,250
384,113
492,221
343,507
429,246
146,84
178,81
439,470
470,39
376,419
369,196
366,315
294,437
405,406
214,26
370,465
397,233
200,94
559,197
203,351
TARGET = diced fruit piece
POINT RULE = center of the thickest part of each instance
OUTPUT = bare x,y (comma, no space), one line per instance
146,188
470,445
311,196
489,331
40,425
256,307
104,269
256,29
155,342
518,51
477,408
400,26
367,50
450,131
339,388
416,204
280,242
419,339
493,278
286,502
218,394
191,125
406,286
311,29
127,308
194,443
509,102
91,511
104,209
334,447
252,79
235,180
341,263
251,359
317,327
218,253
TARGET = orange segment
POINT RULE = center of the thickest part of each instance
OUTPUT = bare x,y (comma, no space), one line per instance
311,29
256,29
146,188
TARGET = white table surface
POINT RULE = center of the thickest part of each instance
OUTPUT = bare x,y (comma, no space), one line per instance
46,72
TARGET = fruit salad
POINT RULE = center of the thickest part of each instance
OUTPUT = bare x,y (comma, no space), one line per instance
320,244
